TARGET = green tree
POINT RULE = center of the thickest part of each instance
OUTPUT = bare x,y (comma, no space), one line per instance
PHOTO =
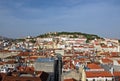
33,41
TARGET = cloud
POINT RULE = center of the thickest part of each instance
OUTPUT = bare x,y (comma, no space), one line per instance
90,16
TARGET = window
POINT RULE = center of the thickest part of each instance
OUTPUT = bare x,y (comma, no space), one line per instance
6,65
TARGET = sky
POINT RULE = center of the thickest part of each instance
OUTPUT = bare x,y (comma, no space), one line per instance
20,18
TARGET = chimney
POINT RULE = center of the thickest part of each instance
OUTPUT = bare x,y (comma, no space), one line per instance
111,70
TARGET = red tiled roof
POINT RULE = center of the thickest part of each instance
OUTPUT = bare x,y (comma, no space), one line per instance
98,74
32,57
114,54
26,68
107,60
1,63
5,51
91,46
119,61
82,60
94,66
2,75
10,62
23,54
104,46
116,74
105,53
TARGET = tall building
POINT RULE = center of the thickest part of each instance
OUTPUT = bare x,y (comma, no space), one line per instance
58,68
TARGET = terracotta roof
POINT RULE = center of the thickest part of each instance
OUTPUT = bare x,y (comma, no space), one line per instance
82,59
94,66
10,62
119,61
98,74
105,53
5,51
104,46
23,54
91,46
1,63
2,75
32,57
114,54
116,74
106,60
26,68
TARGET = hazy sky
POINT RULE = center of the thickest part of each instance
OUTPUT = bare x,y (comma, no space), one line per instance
19,18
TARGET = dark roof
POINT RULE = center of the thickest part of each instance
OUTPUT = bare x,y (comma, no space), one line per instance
71,79
42,76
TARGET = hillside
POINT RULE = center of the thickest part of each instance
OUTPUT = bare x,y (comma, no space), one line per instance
70,34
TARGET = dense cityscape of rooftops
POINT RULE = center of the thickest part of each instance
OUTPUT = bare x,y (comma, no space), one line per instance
60,57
